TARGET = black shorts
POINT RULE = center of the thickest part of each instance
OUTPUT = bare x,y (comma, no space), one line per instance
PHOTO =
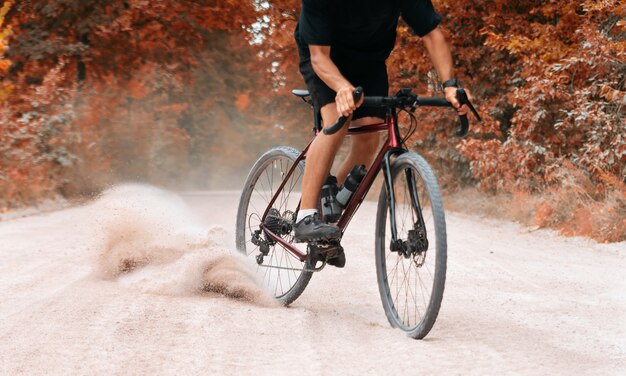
371,76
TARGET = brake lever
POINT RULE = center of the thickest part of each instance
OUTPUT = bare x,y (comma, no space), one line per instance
461,96
356,95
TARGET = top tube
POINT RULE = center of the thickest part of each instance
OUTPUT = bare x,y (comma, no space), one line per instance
370,128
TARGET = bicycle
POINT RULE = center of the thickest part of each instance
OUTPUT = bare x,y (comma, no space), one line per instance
410,221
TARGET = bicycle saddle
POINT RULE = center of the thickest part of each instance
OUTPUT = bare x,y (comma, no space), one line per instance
300,93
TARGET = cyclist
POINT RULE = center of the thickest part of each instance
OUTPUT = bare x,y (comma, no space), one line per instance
343,43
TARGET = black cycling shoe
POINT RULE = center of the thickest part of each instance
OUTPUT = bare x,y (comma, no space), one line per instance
310,229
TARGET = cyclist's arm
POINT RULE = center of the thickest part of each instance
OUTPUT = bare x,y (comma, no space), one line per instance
441,57
329,73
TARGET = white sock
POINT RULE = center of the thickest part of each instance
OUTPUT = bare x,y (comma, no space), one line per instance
304,213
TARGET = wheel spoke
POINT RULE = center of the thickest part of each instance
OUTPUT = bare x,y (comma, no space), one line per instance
408,282
282,272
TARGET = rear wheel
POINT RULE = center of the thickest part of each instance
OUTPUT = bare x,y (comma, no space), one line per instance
411,271
280,272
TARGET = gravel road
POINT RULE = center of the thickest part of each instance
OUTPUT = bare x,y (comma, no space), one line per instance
516,301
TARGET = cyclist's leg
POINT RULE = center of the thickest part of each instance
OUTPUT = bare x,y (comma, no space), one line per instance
373,78
363,148
320,158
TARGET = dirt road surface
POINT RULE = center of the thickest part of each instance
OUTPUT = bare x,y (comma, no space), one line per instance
516,301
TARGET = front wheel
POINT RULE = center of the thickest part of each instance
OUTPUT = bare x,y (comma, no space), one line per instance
411,271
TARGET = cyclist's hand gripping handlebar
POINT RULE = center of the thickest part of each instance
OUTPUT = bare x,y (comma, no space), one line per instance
358,92
461,96
401,101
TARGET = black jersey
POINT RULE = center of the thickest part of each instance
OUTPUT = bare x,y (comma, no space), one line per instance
361,30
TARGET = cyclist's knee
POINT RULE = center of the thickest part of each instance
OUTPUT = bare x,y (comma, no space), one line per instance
368,120
365,143
329,114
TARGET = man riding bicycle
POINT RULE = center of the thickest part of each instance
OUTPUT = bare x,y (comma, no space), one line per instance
343,43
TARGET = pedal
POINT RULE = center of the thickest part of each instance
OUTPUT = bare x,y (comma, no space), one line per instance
324,250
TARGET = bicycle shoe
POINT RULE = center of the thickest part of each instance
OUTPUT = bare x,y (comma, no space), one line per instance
310,228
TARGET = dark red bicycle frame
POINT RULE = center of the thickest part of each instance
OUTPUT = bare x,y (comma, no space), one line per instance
392,143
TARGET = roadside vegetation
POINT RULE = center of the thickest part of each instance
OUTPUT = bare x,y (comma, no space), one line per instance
186,94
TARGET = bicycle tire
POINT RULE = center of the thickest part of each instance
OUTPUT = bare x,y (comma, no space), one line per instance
396,310
278,160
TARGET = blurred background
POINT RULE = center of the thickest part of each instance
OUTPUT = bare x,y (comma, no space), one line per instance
187,94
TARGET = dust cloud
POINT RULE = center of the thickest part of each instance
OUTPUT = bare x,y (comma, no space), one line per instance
149,240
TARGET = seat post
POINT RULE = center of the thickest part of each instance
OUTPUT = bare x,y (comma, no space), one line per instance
317,121
317,117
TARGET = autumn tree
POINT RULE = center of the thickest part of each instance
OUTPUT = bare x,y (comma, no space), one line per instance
146,85
548,77
167,90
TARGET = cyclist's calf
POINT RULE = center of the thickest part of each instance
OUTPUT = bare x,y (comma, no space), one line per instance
320,159
363,148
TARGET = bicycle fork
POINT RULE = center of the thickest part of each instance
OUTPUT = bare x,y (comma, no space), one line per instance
390,193
417,238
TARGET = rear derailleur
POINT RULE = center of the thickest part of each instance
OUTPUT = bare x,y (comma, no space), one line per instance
278,224
263,244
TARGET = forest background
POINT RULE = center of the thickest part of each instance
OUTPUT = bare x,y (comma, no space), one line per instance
187,94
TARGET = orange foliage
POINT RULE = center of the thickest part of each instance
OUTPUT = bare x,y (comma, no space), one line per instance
547,76
243,101
119,90
171,90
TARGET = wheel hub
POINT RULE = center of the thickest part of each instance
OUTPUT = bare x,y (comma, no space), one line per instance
415,244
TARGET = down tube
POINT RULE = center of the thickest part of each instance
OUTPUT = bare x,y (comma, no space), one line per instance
363,188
